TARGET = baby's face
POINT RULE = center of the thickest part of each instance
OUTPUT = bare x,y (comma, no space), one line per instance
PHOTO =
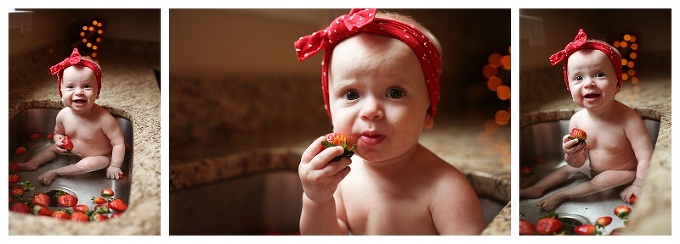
592,79
79,87
378,95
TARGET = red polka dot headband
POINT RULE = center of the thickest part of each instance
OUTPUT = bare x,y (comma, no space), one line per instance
364,20
581,42
76,59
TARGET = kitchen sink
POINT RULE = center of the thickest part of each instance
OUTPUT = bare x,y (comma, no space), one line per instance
83,186
541,150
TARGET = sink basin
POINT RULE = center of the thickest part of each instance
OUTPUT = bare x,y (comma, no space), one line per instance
270,203
541,149
84,186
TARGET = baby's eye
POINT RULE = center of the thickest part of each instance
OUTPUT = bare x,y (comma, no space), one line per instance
351,95
396,93
578,78
599,74
69,86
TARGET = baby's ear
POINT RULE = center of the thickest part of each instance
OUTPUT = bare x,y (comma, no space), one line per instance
429,122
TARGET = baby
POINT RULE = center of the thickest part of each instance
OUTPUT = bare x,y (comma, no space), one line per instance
618,146
95,134
380,82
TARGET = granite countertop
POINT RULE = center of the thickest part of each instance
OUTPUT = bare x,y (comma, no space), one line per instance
652,100
130,90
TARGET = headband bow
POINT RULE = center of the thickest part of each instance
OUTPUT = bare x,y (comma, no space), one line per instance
364,20
581,42
76,59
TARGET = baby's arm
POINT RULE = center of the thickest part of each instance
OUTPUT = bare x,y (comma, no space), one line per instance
112,130
320,181
59,132
455,199
637,134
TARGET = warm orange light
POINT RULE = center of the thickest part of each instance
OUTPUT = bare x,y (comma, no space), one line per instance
82,33
634,80
624,44
624,76
617,44
94,47
94,22
489,71
89,44
630,72
91,28
502,117
100,32
626,37
99,25
634,46
495,60
633,39
632,55
84,27
493,83
506,62
630,64
503,92
84,40
98,39
94,55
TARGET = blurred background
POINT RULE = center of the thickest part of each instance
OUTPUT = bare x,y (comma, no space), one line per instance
242,105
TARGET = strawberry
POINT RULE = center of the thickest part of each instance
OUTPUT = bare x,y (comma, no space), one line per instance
337,139
67,144
117,204
81,208
67,200
549,225
41,199
17,191
36,136
41,210
20,208
603,221
526,228
622,211
98,217
633,199
107,192
586,229
14,178
80,217
50,136
525,170
98,200
60,214
20,150
579,134
616,231
102,208
13,167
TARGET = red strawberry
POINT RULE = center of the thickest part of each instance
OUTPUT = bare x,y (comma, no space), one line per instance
525,170
586,229
60,214
98,200
14,178
337,139
20,150
81,208
633,199
20,208
68,145
67,200
622,211
41,199
579,134
50,136
80,217
41,210
98,217
102,208
117,204
36,136
107,192
603,221
526,228
17,191
13,167
549,225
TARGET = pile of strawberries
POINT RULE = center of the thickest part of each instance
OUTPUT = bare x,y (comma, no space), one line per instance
104,206
550,224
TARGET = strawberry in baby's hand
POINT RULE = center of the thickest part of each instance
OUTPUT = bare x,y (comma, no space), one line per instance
579,134
337,139
67,144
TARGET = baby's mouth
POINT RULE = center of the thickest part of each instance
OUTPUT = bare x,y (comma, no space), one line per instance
80,102
592,95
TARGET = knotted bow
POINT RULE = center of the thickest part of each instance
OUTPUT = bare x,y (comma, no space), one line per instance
75,59
581,42
364,20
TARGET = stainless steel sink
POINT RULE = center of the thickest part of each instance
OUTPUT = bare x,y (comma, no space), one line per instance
84,186
271,203
541,149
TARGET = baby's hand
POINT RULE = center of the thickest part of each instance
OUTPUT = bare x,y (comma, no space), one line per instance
319,176
572,145
113,172
60,147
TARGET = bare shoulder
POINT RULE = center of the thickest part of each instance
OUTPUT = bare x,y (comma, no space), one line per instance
577,118
445,176
104,116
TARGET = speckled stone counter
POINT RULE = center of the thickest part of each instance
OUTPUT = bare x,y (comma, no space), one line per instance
130,90
546,99
263,124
